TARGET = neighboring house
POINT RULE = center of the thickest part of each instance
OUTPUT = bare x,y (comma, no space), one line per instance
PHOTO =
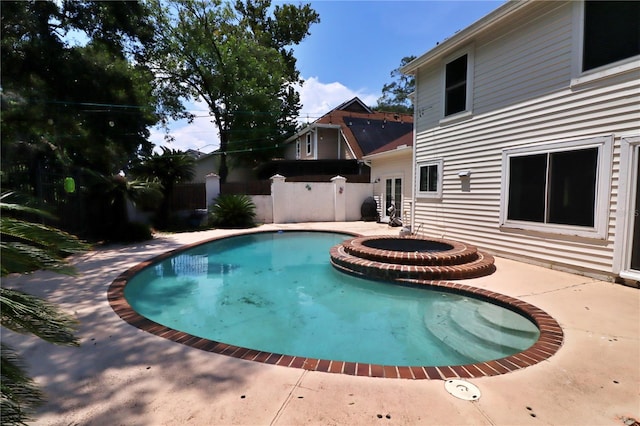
342,137
210,163
528,136
392,175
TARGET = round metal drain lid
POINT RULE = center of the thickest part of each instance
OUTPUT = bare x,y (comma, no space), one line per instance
463,390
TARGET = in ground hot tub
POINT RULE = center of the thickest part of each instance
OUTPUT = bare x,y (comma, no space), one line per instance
412,245
412,257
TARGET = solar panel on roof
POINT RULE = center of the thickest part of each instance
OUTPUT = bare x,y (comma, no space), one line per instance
373,134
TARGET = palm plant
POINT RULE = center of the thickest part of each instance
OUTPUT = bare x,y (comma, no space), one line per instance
171,167
108,203
232,211
24,247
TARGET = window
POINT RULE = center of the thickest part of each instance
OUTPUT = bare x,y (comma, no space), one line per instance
309,143
430,179
611,32
558,189
455,98
298,149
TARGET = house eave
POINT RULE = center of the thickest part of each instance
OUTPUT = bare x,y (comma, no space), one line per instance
464,36
388,154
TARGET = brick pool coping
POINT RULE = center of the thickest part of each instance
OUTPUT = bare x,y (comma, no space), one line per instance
549,342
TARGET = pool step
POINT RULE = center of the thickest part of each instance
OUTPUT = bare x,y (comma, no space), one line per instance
500,334
506,320
468,334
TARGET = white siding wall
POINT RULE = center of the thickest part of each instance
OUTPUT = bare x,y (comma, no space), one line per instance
522,96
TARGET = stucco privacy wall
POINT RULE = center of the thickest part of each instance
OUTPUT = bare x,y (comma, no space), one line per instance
337,200
354,195
264,208
294,202
523,95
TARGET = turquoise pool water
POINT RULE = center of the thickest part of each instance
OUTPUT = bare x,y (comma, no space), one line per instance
277,292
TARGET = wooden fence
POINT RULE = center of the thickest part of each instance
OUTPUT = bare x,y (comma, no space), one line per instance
189,196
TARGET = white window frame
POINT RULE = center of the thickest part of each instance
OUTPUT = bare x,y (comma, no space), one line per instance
605,71
468,111
602,189
298,149
309,144
437,194
626,209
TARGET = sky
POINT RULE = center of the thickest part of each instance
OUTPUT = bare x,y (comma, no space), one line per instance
351,52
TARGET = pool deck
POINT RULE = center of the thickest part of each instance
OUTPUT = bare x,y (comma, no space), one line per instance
122,375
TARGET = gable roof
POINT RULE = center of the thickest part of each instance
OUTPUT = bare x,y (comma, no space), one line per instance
403,142
353,105
364,129
366,133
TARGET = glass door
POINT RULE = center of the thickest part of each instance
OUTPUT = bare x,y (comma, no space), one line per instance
393,196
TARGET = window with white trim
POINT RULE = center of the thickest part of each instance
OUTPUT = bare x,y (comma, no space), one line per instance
298,149
455,86
309,143
429,179
561,188
458,84
611,32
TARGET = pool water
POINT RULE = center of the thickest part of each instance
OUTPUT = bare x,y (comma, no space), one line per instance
277,292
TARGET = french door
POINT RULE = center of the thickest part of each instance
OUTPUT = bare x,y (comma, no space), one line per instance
393,195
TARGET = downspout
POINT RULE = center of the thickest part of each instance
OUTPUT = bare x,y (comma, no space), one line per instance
412,210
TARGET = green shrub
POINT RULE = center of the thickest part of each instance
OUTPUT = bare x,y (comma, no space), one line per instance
232,211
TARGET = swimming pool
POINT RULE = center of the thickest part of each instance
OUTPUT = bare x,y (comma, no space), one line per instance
276,294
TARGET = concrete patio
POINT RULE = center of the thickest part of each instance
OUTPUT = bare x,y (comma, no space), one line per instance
121,375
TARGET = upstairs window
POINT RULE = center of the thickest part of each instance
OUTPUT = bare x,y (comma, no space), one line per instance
298,149
309,143
611,32
455,98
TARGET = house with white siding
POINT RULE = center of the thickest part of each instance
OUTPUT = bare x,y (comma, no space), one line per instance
527,136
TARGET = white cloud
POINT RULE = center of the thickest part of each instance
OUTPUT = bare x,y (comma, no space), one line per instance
201,134
317,98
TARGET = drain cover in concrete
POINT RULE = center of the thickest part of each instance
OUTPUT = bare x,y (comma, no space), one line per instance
463,390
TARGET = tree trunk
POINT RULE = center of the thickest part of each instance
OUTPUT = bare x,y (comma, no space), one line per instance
223,171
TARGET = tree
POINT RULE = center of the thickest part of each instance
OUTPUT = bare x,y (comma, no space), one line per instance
27,246
169,168
72,108
90,101
396,95
236,60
